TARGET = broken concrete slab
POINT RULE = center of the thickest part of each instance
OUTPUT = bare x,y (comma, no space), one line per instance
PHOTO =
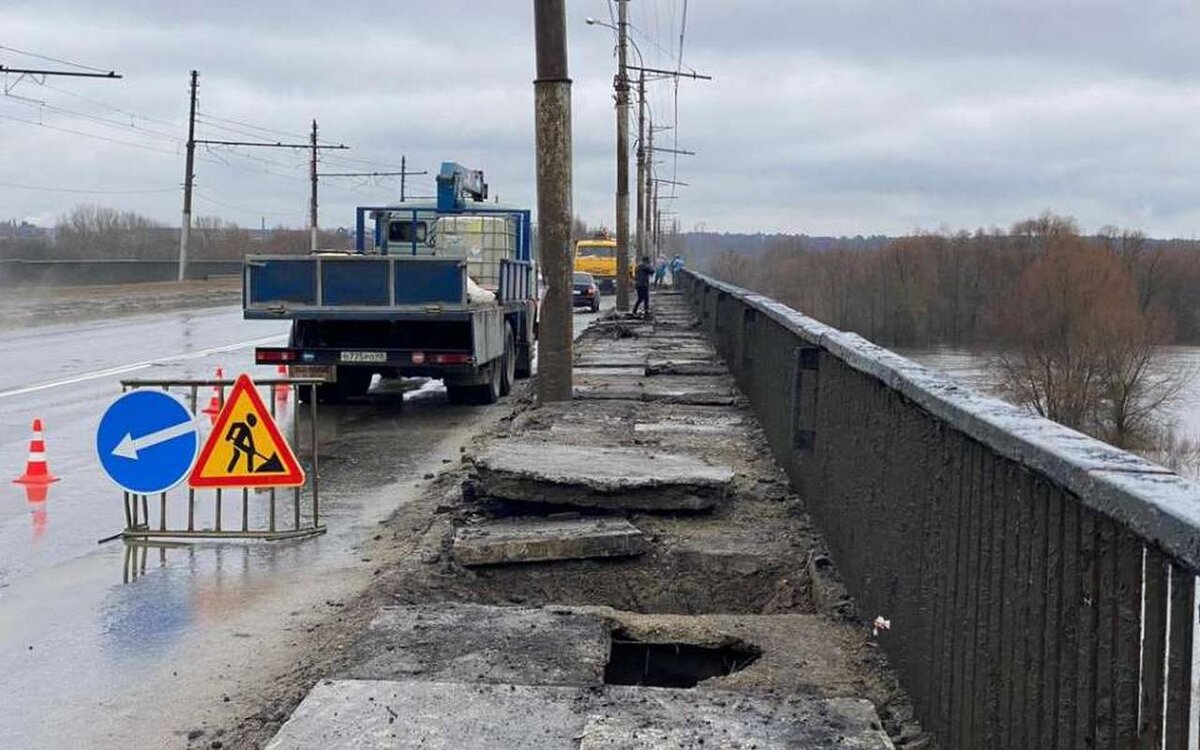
697,390
685,428
600,477
404,715
610,370
588,360
658,367
374,714
804,654
527,540
679,721
451,642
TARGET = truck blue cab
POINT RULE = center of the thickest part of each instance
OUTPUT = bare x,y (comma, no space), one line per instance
443,289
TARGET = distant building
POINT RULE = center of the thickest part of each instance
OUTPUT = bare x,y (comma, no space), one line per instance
12,230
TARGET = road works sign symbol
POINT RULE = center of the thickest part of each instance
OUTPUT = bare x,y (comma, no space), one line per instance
245,448
146,441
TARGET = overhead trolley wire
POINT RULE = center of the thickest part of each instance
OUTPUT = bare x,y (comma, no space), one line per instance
53,59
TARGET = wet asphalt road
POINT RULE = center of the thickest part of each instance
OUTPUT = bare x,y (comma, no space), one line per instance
98,647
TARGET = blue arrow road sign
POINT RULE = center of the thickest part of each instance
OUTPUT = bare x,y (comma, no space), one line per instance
147,441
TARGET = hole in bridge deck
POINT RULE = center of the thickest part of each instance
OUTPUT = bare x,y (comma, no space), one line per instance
673,665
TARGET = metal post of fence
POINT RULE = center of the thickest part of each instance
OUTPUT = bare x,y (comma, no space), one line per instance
271,513
191,522
316,477
312,395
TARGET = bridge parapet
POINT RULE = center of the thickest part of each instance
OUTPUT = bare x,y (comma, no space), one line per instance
1040,583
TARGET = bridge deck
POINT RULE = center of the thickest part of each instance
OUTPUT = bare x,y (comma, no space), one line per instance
723,627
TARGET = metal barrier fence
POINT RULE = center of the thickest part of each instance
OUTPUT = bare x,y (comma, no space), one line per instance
138,524
1040,584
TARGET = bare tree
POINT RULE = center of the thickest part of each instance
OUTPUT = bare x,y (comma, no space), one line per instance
1077,348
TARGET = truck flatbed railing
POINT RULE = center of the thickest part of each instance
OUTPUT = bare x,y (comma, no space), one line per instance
283,285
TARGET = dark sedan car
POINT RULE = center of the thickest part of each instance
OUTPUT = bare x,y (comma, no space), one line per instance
586,293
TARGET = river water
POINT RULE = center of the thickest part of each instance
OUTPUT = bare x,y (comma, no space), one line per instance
1181,416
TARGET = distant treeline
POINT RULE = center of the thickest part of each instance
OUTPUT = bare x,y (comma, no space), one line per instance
705,247
98,232
929,289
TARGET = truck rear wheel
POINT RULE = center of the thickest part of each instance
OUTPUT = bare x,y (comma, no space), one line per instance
489,392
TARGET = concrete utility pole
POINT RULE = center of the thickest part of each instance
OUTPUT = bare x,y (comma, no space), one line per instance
651,192
622,86
312,205
185,226
552,117
641,168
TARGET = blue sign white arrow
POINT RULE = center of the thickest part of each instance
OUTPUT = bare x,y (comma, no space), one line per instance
147,441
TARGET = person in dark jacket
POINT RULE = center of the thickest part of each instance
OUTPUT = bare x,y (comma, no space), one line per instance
641,282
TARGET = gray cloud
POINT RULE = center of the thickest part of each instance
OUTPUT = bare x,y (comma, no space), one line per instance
850,117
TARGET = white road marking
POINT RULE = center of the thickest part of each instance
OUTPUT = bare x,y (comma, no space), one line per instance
135,366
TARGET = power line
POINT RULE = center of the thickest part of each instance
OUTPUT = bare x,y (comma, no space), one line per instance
54,59
93,136
47,189
221,153
23,101
106,105
336,158
220,161
246,131
275,131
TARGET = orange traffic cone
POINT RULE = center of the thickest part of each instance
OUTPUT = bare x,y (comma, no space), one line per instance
214,403
282,389
36,469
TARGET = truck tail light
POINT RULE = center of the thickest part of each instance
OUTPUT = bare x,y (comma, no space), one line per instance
451,359
273,356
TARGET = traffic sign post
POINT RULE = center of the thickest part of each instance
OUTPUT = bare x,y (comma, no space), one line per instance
146,441
149,440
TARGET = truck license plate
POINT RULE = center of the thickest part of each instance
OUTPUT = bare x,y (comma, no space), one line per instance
328,373
364,357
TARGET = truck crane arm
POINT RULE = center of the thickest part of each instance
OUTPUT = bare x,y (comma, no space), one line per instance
456,183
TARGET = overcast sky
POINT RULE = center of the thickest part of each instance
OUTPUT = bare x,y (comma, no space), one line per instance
844,117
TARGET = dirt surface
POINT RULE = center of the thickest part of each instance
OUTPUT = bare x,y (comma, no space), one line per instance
23,307
746,571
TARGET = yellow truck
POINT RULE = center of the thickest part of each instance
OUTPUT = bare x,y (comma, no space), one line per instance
598,256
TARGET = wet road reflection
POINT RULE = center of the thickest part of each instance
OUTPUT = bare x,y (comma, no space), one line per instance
93,634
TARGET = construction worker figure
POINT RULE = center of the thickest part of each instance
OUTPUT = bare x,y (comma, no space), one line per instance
242,437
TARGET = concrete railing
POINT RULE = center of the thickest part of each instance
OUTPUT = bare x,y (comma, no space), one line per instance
108,271
1040,584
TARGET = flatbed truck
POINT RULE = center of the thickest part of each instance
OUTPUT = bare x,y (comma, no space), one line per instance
441,289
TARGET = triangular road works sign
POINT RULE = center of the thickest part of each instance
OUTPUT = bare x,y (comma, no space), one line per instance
245,448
